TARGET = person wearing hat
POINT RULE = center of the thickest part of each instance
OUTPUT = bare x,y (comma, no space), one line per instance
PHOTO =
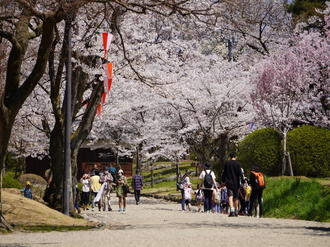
232,176
121,181
257,190
208,183
27,191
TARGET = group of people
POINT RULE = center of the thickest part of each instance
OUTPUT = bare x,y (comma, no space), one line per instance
236,195
100,185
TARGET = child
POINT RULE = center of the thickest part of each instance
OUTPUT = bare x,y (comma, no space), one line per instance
27,191
187,196
217,199
199,198
247,197
224,199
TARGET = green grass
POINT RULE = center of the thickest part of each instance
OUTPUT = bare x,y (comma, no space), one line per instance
168,186
296,198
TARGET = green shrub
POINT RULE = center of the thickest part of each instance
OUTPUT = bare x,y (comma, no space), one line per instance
264,147
309,149
10,182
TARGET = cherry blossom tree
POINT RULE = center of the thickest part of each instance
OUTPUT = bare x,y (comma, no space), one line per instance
293,84
259,25
31,27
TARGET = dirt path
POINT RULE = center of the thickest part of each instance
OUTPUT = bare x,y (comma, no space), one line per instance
161,223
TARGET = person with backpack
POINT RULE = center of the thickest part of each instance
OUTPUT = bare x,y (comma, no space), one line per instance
224,199
217,199
207,182
232,176
257,181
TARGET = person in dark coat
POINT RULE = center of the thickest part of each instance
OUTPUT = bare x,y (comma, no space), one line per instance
232,176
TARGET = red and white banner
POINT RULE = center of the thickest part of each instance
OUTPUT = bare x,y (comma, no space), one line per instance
107,39
99,109
108,69
107,83
104,95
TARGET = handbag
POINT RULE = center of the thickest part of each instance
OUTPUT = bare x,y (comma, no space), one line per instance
126,189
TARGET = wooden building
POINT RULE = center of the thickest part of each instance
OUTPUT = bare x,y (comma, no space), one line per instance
85,161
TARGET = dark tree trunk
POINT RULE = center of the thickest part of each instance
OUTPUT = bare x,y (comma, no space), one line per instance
223,152
79,84
13,93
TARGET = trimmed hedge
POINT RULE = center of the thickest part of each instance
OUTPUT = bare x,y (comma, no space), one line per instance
264,147
309,148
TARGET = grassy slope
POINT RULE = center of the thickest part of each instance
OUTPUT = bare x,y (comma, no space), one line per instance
285,197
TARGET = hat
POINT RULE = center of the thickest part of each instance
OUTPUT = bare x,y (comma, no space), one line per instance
28,183
255,166
188,171
233,155
207,165
105,168
121,171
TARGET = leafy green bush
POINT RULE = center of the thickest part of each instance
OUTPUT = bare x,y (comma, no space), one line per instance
309,148
264,147
10,182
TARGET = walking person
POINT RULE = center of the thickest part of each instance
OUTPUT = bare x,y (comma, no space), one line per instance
188,195
207,182
106,180
224,199
121,181
232,176
186,180
137,183
217,199
199,198
242,197
257,189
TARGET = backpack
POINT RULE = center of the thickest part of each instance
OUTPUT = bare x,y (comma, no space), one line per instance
217,197
182,182
199,195
208,180
224,196
260,180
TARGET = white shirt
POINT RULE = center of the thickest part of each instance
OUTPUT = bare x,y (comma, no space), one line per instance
203,175
85,185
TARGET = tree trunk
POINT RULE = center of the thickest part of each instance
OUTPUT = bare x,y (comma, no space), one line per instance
178,175
284,133
290,164
77,138
223,153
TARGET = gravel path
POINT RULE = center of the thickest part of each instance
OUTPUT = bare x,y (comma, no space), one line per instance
160,223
